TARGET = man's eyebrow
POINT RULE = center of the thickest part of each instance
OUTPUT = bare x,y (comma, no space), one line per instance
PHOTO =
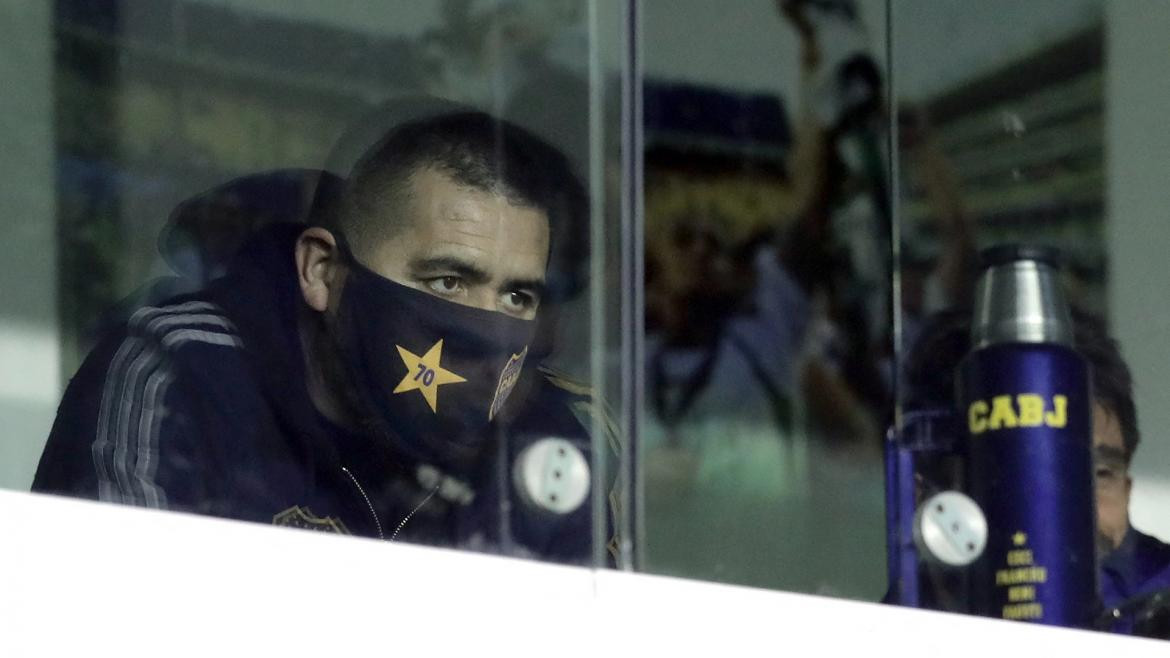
537,286
458,266
1110,453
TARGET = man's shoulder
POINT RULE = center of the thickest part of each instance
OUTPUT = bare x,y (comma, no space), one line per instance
562,384
558,390
184,322
560,395
1150,565
1152,549
129,421
188,338
194,335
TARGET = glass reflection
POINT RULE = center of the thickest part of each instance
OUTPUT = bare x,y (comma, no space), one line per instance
768,330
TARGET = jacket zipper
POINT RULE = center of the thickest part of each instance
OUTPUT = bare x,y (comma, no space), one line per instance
412,512
369,505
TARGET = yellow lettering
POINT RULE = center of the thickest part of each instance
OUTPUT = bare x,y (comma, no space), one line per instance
1058,417
1021,575
1002,413
977,417
1031,409
1024,410
1022,593
1019,558
1023,611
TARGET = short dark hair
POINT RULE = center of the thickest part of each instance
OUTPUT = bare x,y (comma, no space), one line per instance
474,149
1112,381
945,339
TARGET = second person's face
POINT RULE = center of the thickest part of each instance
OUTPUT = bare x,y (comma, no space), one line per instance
1112,479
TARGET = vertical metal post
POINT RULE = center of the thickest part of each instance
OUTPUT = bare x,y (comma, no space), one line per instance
598,188
632,297
893,198
903,570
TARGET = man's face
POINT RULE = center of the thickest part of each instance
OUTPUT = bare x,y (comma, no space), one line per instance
467,245
1112,479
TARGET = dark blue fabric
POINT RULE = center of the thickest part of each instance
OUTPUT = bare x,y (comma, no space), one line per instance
233,432
1140,566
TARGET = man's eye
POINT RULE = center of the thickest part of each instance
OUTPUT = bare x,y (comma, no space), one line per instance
1104,473
445,285
519,301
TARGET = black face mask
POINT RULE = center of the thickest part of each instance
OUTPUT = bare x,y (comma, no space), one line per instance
432,374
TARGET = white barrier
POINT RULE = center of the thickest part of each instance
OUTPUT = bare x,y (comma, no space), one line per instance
83,579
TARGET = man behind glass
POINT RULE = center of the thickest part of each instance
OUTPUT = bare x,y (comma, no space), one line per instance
350,375
1133,564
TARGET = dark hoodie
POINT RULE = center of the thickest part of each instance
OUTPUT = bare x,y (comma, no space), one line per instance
1131,577
199,404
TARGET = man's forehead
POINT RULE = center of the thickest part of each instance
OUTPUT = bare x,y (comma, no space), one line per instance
446,221
480,224
1106,428
433,195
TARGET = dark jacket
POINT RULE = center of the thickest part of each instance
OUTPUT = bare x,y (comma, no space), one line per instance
199,404
1131,577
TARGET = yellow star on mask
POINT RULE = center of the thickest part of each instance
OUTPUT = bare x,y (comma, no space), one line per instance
425,375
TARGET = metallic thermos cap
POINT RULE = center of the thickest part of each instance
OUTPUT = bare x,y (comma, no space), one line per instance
1018,298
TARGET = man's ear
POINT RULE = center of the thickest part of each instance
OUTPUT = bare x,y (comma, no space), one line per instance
319,267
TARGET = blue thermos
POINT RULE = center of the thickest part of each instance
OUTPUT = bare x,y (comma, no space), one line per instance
1025,406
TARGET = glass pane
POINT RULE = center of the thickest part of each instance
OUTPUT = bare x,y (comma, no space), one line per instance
1005,113
767,356
285,262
